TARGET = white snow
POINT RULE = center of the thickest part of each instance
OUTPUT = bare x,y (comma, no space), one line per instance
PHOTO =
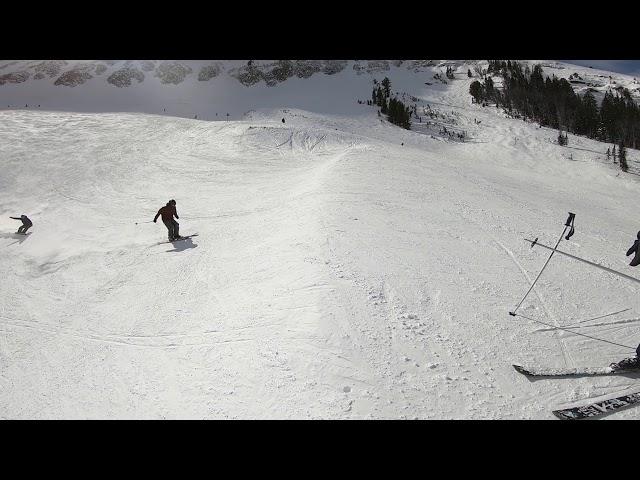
344,268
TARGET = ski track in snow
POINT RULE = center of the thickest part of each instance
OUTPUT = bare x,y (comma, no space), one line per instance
336,274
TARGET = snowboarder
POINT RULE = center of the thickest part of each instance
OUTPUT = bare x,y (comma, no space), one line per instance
168,212
26,224
634,249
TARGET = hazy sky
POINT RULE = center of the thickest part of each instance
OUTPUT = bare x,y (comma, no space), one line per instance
630,67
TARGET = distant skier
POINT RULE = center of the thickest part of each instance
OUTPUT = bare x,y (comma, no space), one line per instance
26,224
168,212
634,249
282,119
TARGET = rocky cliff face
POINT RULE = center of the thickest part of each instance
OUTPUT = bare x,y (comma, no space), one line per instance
124,77
128,73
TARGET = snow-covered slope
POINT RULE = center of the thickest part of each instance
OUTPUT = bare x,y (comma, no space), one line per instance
207,89
344,268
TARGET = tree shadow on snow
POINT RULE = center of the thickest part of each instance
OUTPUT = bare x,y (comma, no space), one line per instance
182,245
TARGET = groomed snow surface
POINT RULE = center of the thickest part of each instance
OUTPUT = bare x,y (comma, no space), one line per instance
344,268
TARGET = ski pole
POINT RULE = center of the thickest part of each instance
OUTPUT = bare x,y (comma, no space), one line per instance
607,269
568,223
150,221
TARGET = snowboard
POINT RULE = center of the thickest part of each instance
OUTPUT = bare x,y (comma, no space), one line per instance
598,408
180,239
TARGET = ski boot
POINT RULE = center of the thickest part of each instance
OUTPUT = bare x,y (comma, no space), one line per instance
626,364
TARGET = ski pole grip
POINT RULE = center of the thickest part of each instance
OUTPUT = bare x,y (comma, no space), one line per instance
570,219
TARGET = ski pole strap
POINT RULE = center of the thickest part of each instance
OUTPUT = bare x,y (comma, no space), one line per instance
575,333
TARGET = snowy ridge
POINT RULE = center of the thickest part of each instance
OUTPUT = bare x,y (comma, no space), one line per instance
211,89
344,268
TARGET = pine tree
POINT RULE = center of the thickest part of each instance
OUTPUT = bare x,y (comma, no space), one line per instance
386,84
477,91
488,88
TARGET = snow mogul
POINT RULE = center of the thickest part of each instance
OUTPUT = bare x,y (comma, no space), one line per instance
634,249
168,212
26,224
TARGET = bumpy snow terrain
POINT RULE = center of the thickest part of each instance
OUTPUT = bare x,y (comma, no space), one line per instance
344,267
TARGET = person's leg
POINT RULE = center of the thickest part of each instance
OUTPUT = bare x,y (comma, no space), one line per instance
176,229
169,226
20,229
25,228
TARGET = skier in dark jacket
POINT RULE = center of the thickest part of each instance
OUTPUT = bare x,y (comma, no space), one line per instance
634,249
168,212
26,223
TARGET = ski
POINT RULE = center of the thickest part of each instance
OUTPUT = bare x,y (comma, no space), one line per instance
598,408
567,372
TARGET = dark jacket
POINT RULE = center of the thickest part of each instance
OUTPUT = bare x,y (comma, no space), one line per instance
25,220
634,249
167,212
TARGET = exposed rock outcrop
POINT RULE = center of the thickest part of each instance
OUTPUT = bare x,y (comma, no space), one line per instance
208,72
306,68
274,73
332,67
15,77
76,76
124,77
371,66
172,72
49,68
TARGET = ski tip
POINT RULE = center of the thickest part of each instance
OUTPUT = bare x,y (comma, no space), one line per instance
520,369
562,415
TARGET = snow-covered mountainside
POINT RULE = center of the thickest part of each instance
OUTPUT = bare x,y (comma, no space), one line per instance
209,89
212,89
343,268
